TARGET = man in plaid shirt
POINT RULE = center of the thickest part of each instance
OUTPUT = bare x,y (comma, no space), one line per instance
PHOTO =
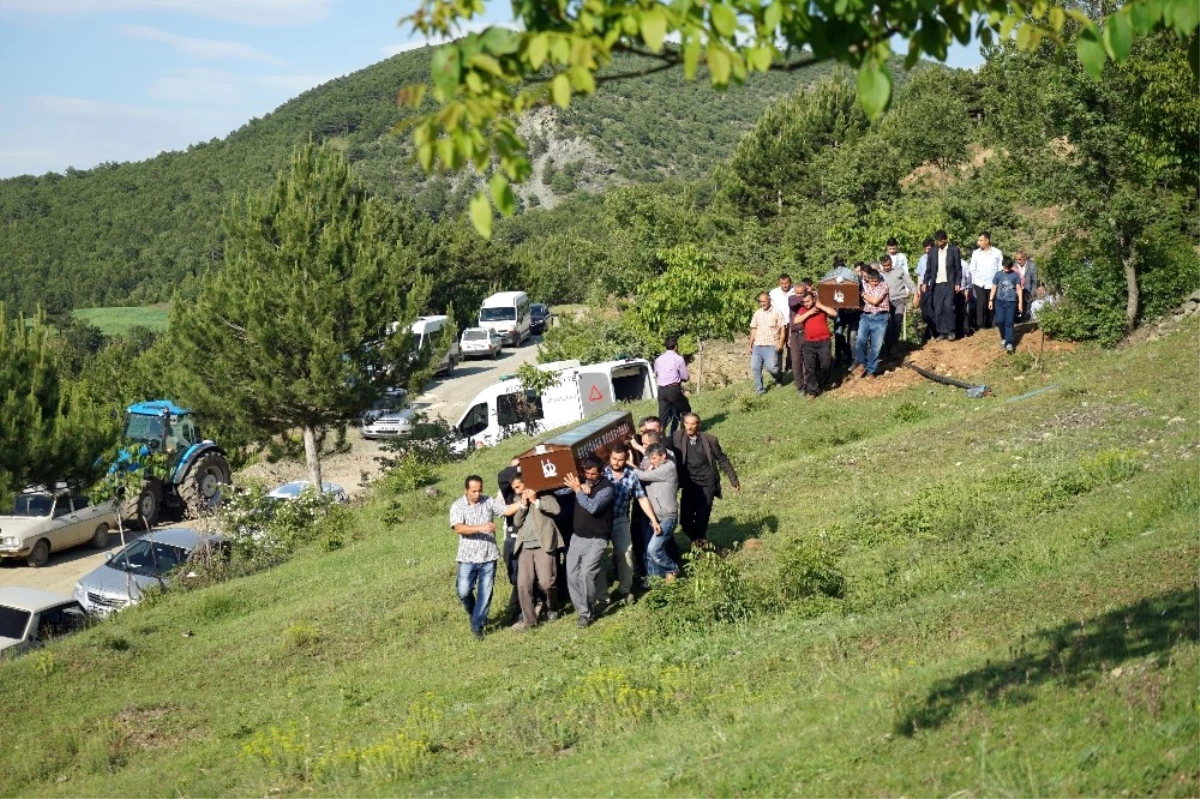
626,486
472,518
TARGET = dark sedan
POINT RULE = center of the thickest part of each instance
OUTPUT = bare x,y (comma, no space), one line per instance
539,318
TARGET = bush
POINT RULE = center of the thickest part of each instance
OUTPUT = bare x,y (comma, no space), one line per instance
807,571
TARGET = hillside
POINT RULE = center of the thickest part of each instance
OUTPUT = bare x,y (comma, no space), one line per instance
945,596
130,234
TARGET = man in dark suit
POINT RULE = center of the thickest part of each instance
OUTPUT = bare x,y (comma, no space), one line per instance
942,282
699,456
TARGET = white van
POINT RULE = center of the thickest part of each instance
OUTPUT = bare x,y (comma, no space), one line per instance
427,336
508,314
580,391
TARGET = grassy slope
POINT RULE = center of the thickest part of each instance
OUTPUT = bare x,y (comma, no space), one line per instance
1020,618
116,320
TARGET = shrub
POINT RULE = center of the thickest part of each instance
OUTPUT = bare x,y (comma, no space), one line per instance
909,412
806,571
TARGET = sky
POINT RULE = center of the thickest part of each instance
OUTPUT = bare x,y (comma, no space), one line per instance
93,81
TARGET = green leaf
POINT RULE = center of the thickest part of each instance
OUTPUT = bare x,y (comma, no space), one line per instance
874,88
502,194
560,49
724,21
481,214
539,48
487,64
1024,36
718,65
445,69
654,28
501,41
1118,36
691,58
1091,53
773,15
1057,18
1184,16
425,156
561,90
760,57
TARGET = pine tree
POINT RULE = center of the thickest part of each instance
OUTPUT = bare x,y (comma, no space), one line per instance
307,323
48,430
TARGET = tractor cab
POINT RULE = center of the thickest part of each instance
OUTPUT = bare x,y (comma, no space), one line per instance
161,426
196,467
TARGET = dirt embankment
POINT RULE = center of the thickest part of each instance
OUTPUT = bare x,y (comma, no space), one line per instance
724,363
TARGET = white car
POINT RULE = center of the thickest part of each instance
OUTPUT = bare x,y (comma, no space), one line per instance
29,618
292,490
478,342
42,522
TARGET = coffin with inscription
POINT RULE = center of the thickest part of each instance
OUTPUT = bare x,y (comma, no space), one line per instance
544,467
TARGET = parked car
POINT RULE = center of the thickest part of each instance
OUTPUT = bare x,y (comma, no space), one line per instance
29,618
389,424
290,491
142,564
539,317
393,400
42,522
480,342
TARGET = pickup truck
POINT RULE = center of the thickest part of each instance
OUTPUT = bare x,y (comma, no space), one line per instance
30,618
42,522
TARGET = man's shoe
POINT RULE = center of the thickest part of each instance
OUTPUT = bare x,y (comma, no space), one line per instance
519,625
552,615
478,634
582,621
950,337
1008,348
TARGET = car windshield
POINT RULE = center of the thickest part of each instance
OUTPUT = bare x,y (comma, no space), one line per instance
13,622
497,314
143,428
538,310
151,558
33,505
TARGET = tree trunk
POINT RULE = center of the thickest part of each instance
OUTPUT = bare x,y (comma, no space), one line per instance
313,457
700,366
1132,294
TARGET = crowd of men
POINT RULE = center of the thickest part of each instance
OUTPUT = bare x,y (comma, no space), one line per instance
793,327
556,543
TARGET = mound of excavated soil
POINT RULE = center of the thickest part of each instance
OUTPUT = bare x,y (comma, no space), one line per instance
961,359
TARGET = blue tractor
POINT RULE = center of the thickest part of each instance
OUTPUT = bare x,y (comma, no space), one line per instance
196,467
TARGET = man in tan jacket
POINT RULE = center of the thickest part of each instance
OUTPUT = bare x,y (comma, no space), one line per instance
537,541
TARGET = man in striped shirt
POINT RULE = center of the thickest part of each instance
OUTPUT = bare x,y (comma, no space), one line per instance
472,517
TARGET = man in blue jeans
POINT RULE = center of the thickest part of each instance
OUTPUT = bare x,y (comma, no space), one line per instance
472,517
1007,301
872,326
766,339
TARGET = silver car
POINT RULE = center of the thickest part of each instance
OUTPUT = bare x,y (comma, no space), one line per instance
142,564
29,618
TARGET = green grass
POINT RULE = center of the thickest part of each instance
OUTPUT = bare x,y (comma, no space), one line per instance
118,320
952,597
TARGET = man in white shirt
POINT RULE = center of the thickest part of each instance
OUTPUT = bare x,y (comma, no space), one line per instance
986,261
779,304
899,259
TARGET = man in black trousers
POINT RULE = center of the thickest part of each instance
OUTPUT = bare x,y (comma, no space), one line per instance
942,282
699,456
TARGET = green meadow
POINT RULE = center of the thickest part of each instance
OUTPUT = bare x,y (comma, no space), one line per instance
117,320
947,597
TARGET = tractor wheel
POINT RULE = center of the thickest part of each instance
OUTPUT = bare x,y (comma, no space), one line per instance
201,489
100,537
40,555
146,507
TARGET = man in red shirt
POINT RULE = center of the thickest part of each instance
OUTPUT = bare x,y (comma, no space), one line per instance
814,318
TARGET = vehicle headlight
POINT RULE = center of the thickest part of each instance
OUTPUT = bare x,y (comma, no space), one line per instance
79,593
10,541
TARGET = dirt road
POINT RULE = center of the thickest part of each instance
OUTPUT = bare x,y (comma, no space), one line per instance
446,397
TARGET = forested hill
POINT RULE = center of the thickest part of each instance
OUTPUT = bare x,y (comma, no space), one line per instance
132,233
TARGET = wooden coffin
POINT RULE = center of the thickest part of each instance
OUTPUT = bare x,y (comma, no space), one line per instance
839,296
544,467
